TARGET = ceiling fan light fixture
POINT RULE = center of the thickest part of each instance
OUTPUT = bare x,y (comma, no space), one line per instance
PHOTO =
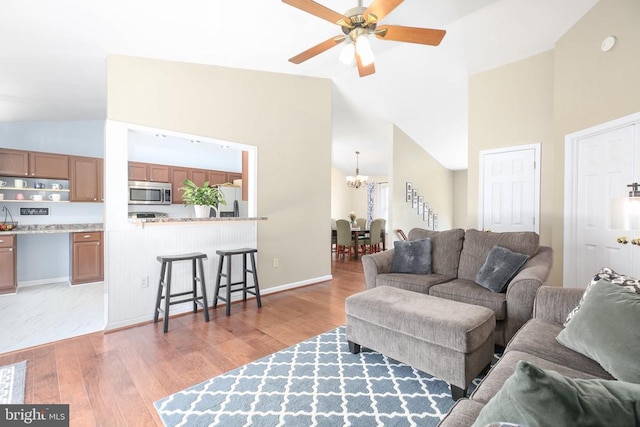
363,47
347,55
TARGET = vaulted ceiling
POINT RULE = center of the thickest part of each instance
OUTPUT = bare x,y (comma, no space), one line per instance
53,59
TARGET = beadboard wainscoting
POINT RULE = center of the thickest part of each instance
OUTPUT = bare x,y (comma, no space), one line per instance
133,264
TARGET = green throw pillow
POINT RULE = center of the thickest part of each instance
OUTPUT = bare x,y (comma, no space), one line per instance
538,397
606,330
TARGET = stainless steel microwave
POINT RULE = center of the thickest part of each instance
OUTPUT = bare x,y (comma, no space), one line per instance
149,193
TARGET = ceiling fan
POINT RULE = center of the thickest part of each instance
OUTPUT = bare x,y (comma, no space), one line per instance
357,24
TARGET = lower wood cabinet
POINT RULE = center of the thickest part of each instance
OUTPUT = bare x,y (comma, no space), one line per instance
87,257
7,263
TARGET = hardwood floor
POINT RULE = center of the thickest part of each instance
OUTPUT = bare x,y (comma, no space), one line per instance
112,379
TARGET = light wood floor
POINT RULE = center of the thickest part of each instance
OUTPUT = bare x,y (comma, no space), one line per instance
112,379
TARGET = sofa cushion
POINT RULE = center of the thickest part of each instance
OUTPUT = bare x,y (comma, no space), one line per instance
537,397
412,256
477,245
538,337
471,293
496,377
630,283
463,413
411,282
605,329
499,268
445,249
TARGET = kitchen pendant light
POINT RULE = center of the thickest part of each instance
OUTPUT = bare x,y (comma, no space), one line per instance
358,180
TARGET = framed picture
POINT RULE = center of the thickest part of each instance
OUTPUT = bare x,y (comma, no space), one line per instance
425,212
420,204
415,193
409,187
409,197
435,221
414,200
430,218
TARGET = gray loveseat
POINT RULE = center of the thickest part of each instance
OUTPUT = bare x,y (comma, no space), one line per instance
535,343
456,258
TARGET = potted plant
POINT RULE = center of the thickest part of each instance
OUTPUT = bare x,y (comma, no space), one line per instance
202,198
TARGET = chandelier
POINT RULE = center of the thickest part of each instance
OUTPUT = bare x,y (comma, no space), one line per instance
358,180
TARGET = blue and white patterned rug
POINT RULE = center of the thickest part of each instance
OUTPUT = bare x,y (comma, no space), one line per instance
317,382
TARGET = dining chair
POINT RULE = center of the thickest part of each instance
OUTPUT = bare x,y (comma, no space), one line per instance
334,235
374,239
343,237
362,223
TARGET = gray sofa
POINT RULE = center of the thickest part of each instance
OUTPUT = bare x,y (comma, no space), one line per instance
456,258
536,343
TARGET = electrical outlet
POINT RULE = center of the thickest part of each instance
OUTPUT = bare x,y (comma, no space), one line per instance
145,282
275,263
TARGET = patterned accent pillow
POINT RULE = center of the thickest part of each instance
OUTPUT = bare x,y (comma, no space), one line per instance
627,282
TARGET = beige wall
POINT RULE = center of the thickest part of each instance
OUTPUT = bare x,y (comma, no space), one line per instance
460,196
288,119
410,162
593,87
547,96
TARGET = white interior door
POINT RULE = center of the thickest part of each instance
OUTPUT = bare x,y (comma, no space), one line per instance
605,167
599,164
509,189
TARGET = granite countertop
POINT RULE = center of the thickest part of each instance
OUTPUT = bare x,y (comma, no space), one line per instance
55,228
191,220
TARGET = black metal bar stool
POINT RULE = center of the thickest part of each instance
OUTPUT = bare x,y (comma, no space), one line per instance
227,254
165,281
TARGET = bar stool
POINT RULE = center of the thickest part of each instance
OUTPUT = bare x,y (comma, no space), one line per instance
165,281
227,254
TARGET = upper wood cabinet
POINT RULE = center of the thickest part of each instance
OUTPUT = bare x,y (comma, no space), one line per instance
46,165
33,164
217,177
198,176
14,163
148,172
86,179
233,175
178,175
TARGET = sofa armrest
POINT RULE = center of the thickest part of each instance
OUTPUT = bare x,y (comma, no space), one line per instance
553,303
374,264
522,290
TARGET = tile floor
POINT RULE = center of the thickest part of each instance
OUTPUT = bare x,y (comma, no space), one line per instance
40,314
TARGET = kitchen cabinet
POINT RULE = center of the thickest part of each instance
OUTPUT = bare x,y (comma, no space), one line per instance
86,179
148,172
7,263
47,165
137,171
217,177
87,257
198,176
34,164
178,175
233,175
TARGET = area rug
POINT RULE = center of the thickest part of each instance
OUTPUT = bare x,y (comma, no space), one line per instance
12,383
317,382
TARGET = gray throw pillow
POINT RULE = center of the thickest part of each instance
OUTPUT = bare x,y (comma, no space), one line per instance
627,282
412,256
539,397
499,268
606,330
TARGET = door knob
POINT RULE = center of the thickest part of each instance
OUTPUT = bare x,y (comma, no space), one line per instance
624,240
635,241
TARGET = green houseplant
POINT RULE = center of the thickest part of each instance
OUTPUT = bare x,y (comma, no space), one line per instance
202,198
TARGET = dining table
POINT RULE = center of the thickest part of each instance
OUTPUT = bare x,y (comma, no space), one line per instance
356,233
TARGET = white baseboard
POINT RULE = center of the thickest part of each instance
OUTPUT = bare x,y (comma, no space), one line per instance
188,307
43,281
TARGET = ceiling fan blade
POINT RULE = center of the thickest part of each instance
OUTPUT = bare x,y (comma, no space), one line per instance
318,10
381,8
317,49
410,34
364,70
